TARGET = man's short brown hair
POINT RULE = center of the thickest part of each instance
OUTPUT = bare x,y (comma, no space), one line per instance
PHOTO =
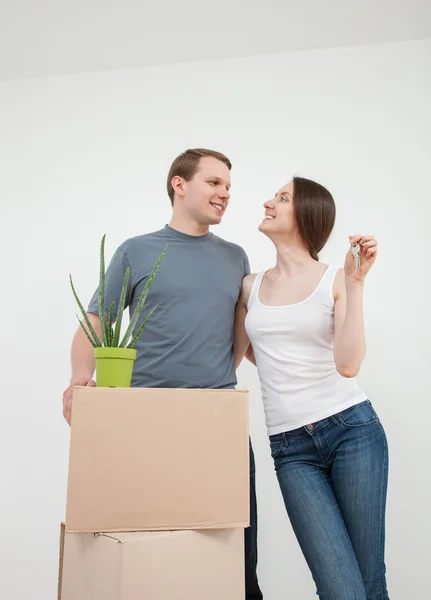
186,165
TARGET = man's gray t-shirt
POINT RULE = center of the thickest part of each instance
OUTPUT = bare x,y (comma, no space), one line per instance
188,341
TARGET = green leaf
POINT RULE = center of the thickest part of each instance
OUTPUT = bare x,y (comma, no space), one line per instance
84,314
90,339
110,333
121,306
102,292
141,329
141,301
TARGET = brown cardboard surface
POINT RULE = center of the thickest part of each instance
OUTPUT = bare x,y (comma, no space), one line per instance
164,565
158,459
60,566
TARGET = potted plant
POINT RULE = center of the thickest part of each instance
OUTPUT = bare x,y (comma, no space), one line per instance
114,358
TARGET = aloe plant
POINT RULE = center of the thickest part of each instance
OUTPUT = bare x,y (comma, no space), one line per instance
111,333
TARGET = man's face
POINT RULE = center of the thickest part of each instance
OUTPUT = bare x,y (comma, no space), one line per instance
206,196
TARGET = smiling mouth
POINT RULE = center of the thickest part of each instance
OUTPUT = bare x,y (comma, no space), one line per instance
269,218
217,206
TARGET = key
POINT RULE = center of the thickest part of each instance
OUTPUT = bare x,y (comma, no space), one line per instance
355,251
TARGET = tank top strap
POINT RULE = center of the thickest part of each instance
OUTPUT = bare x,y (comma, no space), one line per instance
255,288
326,287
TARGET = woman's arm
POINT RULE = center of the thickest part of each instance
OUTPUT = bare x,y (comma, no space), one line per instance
241,342
349,340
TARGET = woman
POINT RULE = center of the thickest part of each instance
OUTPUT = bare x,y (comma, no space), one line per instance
304,322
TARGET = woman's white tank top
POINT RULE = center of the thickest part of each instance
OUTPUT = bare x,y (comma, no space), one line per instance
294,351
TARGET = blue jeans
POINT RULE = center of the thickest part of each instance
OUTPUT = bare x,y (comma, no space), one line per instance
333,477
252,590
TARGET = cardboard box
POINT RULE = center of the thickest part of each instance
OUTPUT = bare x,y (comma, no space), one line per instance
158,459
164,565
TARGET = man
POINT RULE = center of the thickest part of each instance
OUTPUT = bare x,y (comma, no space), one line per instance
188,342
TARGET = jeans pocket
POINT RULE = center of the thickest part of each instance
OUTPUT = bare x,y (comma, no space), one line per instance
276,443
359,415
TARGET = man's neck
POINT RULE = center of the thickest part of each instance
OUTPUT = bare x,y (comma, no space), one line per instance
188,227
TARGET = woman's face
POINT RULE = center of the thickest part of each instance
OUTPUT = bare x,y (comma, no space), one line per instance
279,214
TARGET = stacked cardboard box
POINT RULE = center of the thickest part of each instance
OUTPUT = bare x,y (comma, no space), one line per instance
158,495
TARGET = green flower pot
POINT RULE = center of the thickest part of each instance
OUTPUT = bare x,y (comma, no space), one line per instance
114,366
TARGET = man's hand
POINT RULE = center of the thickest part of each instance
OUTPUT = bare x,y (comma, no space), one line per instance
67,396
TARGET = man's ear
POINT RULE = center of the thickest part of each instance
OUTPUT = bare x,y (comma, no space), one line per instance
178,185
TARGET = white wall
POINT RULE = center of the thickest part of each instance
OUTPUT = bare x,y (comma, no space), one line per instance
88,154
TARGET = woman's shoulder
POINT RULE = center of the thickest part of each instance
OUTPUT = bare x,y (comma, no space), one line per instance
249,279
339,284
247,285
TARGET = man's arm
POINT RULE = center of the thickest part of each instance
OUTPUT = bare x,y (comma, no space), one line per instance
82,352
241,341
250,355
83,364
